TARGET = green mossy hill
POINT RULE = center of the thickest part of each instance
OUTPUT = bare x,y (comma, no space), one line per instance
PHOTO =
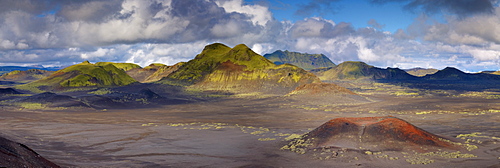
450,73
28,75
302,60
238,69
352,70
162,72
421,71
154,66
141,74
213,56
81,75
122,66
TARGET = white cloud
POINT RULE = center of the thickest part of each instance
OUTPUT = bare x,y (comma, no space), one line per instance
169,31
484,55
228,29
101,52
260,15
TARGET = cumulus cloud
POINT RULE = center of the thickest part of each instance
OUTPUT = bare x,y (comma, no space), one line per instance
318,27
101,23
168,31
475,30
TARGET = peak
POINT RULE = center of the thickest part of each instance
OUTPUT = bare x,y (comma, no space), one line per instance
358,63
86,62
215,46
451,70
241,46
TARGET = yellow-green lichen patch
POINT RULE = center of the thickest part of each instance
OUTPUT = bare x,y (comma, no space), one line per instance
380,155
418,160
299,145
266,139
426,158
103,91
149,124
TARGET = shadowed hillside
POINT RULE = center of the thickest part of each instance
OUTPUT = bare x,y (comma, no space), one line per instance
421,71
237,69
302,60
13,155
450,73
351,70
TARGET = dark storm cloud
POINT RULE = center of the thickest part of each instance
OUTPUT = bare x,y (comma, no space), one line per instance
94,11
458,7
59,24
320,7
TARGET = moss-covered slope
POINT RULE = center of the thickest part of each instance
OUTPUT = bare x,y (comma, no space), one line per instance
25,76
122,66
81,75
141,74
302,60
351,70
238,69
162,72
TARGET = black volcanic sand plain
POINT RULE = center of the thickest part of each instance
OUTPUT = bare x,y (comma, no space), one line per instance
252,130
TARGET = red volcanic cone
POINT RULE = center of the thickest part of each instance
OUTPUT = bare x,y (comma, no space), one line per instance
373,133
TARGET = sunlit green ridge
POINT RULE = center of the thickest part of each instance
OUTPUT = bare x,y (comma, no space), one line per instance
220,67
122,66
80,75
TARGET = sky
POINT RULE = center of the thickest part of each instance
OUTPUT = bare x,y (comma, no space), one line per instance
384,33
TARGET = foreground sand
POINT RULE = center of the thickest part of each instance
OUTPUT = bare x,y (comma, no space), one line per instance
249,132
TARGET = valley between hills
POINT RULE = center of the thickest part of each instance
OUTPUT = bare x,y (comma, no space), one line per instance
231,107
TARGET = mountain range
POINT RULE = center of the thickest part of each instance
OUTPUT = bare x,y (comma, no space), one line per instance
353,70
218,69
302,60
234,70
238,69
421,71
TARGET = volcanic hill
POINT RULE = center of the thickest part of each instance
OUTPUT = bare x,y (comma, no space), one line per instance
302,60
238,70
140,74
421,71
162,71
450,73
25,76
81,75
352,70
370,133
